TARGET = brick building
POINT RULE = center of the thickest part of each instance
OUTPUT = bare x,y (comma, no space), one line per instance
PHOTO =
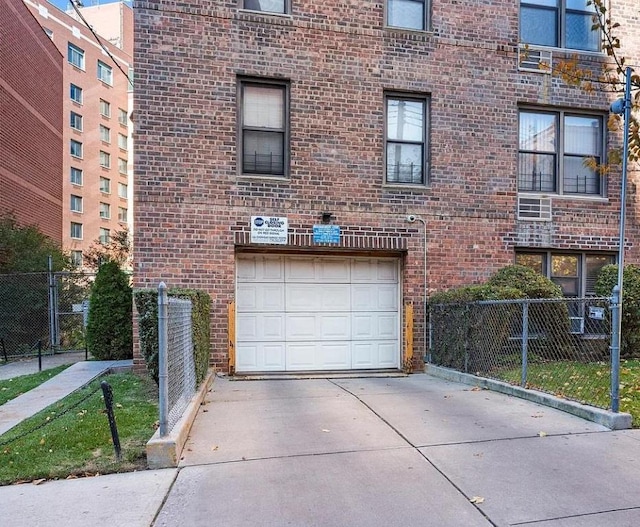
322,167
30,122
97,101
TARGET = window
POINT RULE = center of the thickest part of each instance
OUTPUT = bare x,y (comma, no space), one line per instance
122,141
406,138
76,231
122,165
76,176
575,273
105,134
552,151
269,6
76,203
122,190
76,258
49,32
122,117
105,73
105,211
105,185
105,108
105,236
122,214
76,148
76,93
264,128
559,23
409,14
105,159
75,56
75,121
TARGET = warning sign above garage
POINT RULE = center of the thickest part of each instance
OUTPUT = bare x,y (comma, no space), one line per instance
272,230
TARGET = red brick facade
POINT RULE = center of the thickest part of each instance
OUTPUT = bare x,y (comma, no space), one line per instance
193,206
31,121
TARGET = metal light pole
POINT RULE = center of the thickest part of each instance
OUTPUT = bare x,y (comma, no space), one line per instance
621,106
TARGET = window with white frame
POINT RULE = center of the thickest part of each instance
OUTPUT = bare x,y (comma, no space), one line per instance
75,56
105,236
105,211
553,147
105,159
105,108
122,141
76,203
76,258
122,215
122,165
264,124
408,14
76,176
269,6
105,185
76,230
75,93
559,23
406,146
123,119
105,73
122,190
75,121
105,134
76,148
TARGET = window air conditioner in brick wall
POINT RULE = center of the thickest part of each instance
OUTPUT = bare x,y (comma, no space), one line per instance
537,209
534,59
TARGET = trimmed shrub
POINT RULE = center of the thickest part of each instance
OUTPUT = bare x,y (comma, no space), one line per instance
147,305
109,325
474,293
630,334
531,283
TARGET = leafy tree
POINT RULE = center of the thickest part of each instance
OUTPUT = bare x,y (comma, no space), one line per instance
109,326
117,250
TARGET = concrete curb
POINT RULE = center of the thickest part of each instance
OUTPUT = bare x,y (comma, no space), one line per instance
165,452
613,421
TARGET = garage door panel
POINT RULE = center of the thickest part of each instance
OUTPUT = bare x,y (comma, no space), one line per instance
260,297
374,297
318,270
317,297
261,357
374,326
317,326
318,355
253,327
375,354
260,269
331,270
374,270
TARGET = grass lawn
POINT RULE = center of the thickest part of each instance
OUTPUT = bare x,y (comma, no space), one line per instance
12,388
72,437
585,383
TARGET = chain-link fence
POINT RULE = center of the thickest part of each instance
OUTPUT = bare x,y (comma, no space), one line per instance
46,309
177,371
559,346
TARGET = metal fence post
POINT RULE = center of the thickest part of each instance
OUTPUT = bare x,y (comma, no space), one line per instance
163,365
52,316
615,349
525,342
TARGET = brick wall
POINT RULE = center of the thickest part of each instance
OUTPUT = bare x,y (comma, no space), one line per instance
31,116
339,62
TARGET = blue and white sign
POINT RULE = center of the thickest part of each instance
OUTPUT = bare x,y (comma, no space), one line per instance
266,229
326,234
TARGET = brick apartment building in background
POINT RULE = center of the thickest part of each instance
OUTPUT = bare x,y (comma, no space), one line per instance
97,104
31,84
321,167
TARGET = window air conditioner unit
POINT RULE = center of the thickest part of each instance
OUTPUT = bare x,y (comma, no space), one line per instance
577,325
534,59
534,209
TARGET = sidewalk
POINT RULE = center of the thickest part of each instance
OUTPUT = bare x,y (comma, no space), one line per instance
32,402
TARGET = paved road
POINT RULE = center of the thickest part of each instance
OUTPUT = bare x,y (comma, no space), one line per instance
363,452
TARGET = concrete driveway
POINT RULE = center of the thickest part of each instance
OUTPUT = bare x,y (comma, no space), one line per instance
397,451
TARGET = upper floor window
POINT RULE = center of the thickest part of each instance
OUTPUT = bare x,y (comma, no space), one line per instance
406,140
76,93
264,123
76,203
76,258
76,176
123,189
105,185
75,121
559,23
269,6
122,117
552,152
105,236
122,141
76,148
122,215
49,32
409,14
105,159
76,231
122,165
105,134
75,56
105,108
105,211
105,73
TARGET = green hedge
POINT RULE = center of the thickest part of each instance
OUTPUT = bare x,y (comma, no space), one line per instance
147,305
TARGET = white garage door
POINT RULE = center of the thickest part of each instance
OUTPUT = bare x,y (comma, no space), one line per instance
316,313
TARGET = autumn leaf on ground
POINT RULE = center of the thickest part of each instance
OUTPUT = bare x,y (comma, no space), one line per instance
477,499
542,434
